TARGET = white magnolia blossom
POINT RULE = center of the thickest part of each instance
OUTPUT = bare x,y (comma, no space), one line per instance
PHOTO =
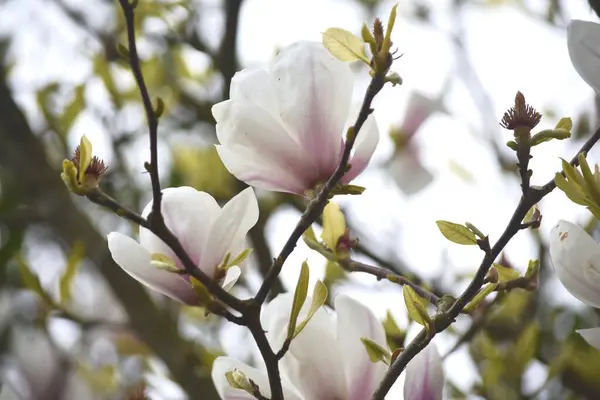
327,360
583,41
425,376
206,231
282,128
576,259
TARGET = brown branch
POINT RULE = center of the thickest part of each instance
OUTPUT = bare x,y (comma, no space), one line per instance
528,199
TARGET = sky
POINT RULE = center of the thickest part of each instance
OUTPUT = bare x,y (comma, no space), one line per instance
508,51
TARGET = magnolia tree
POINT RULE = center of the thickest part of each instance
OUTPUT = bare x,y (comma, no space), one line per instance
290,126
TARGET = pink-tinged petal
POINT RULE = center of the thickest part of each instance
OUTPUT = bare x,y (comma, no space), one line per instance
135,260
583,41
231,277
407,171
366,143
314,360
592,336
242,124
419,109
354,321
314,92
576,259
263,173
424,376
229,229
188,213
255,85
222,365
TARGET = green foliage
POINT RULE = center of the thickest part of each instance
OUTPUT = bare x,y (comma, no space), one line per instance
376,352
344,45
66,280
417,307
299,298
583,187
456,233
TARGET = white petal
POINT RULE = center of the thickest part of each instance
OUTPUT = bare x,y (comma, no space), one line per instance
314,91
576,259
248,166
592,336
583,41
255,85
424,376
407,171
188,213
222,365
229,229
275,316
244,124
355,321
314,359
366,143
135,260
231,277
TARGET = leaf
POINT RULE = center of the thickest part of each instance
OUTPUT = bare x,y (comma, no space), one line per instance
506,273
416,306
344,45
376,352
66,280
480,296
526,346
319,297
334,225
299,298
32,281
240,258
85,157
565,124
73,109
456,233
570,189
572,174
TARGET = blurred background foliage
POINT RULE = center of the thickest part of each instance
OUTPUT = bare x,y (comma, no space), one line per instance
74,326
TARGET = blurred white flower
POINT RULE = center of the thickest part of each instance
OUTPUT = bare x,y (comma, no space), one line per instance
327,360
282,129
424,376
576,259
405,166
206,231
583,41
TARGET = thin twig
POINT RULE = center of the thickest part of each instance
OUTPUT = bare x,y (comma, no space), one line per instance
528,199
315,207
381,273
152,119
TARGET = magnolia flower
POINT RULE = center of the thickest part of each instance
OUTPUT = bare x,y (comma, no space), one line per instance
206,231
424,376
327,360
282,127
576,259
583,41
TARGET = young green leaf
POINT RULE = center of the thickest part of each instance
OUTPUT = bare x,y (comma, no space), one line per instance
480,296
334,225
299,298
416,306
32,282
318,299
505,273
344,45
565,124
376,352
66,280
456,233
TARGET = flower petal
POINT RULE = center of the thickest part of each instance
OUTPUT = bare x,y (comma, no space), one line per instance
222,365
255,85
355,321
408,172
366,143
135,260
592,336
424,376
241,124
229,229
576,259
583,41
248,166
231,277
314,92
188,213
